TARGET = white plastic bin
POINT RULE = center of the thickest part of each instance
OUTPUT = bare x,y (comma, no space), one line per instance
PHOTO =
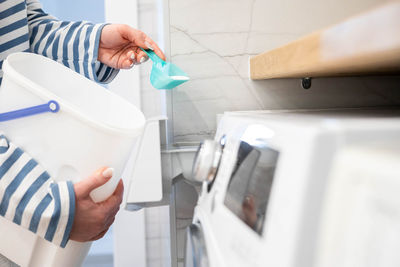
93,128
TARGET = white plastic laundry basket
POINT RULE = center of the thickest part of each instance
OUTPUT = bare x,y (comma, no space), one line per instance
93,128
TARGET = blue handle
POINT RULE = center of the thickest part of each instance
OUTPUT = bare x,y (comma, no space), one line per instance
51,106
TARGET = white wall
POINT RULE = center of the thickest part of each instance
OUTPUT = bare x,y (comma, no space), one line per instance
73,10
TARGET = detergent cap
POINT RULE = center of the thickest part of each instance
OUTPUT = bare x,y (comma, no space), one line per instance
165,75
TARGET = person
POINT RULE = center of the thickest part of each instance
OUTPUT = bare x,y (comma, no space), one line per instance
59,211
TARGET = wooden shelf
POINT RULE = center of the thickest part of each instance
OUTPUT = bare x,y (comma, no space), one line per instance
365,44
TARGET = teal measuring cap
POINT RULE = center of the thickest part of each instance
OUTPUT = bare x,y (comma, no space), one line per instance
165,75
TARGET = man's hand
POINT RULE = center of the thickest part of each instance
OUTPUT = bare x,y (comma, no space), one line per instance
120,46
92,220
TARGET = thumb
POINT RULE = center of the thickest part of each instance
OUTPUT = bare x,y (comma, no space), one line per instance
98,178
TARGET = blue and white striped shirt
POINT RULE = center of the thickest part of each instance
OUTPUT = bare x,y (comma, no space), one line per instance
24,26
31,199
28,195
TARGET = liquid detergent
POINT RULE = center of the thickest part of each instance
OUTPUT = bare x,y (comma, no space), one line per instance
71,126
165,75
180,78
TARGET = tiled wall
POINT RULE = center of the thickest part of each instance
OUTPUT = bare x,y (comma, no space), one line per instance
213,39
158,237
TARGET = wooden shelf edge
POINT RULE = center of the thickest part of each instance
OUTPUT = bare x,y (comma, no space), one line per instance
365,44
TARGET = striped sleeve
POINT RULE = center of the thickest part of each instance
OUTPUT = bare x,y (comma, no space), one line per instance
74,44
31,199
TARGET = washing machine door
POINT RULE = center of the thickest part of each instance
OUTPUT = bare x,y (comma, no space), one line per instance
196,251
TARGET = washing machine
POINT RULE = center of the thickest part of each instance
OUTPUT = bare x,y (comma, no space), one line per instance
264,180
361,214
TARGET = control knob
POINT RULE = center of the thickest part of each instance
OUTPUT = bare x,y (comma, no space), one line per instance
206,161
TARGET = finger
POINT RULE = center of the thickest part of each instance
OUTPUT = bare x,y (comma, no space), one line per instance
118,193
127,64
110,222
116,198
119,190
127,58
131,55
112,213
100,235
140,39
153,46
137,38
98,178
141,57
113,207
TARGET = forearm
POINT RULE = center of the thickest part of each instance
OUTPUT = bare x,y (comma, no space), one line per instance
31,199
74,44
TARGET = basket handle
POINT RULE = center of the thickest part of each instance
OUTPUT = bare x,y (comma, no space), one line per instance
51,106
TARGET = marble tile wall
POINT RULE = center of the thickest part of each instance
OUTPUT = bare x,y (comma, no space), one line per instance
213,39
158,249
